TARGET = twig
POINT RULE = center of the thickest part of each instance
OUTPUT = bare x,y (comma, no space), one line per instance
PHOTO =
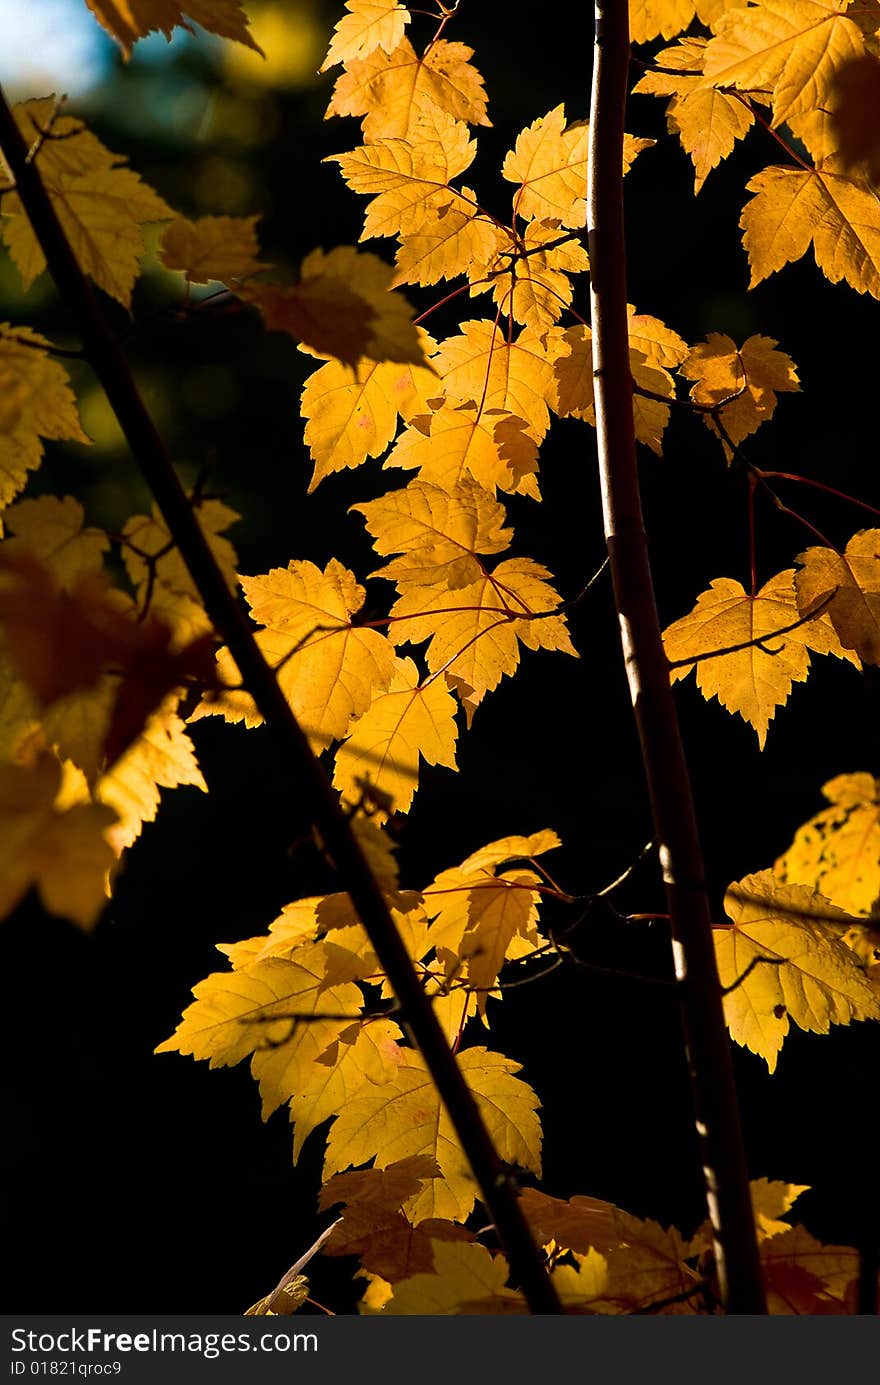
722,1150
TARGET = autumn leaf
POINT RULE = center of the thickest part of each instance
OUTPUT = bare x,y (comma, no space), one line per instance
752,681
475,631
740,381
438,533
406,1117
408,182
407,723
794,208
157,570
770,1201
129,20
784,961
369,24
789,47
36,402
460,442
852,582
270,1010
708,122
352,414
651,348
804,1277
466,1279
363,1056
399,92
61,850
549,162
328,667
101,204
224,248
659,18
533,285
837,853
451,237
162,756
51,529
515,376
343,307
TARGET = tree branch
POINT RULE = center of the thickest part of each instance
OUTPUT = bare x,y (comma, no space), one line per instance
708,1050
497,1188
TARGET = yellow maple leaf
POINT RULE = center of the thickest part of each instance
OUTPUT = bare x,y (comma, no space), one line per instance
343,307
789,47
101,204
352,414
770,1201
804,1277
396,92
438,533
448,240
129,20
747,377
837,852
328,667
751,681
794,208
474,630
51,528
515,376
405,723
534,288
783,961
659,18
156,568
854,579
408,182
466,1279
652,346
708,122
363,1054
224,248
36,402
459,442
270,1010
61,850
162,757
369,24
478,920
549,161
406,1117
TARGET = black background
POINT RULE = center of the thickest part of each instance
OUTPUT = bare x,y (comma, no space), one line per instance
148,1184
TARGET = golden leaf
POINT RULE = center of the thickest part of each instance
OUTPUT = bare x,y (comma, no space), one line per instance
402,725
752,681
398,92
794,208
854,578
224,248
101,205
129,20
748,377
36,402
837,853
369,24
803,971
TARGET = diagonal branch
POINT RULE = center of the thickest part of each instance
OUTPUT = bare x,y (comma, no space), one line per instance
708,1049
497,1187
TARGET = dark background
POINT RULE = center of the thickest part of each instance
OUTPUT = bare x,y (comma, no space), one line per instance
148,1184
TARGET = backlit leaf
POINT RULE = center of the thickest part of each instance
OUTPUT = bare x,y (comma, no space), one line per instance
36,402
854,579
129,20
837,853
804,972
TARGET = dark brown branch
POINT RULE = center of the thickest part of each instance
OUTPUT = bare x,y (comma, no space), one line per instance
497,1188
708,1049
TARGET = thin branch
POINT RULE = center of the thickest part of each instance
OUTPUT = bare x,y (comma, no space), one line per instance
493,1176
722,1152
